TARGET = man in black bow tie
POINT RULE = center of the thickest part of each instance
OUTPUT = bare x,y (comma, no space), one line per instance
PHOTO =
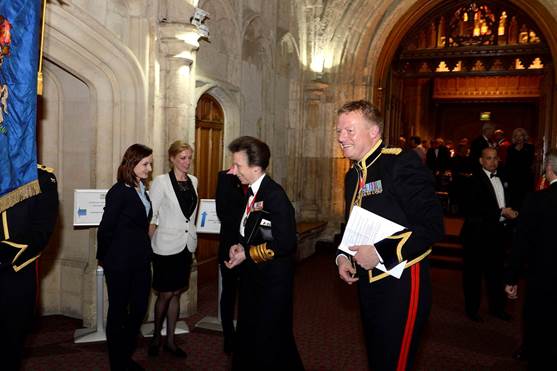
484,236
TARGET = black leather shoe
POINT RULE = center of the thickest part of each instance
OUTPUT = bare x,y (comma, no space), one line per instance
504,316
520,354
134,366
177,352
228,347
474,317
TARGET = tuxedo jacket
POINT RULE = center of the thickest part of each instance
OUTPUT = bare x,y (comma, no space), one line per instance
476,148
534,242
271,210
27,226
230,203
174,231
481,210
123,241
440,162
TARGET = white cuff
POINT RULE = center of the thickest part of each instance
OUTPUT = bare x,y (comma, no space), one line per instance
338,256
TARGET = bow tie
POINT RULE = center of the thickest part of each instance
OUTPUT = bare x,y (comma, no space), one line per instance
492,175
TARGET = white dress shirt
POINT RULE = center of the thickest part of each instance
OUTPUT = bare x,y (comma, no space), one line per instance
499,190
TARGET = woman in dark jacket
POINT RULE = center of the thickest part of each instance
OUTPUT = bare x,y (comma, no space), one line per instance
518,167
124,251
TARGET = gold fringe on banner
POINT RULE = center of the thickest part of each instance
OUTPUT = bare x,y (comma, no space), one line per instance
17,195
41,50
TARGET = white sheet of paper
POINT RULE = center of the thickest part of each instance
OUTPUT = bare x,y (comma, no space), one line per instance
396,271
367,228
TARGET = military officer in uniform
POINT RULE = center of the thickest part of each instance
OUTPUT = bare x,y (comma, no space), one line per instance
25,230
265,255
395,185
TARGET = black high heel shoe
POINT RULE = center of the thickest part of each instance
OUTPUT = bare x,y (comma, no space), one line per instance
154,346
177,352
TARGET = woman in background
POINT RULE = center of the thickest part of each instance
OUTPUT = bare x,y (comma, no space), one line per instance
124,251
518,168
174,241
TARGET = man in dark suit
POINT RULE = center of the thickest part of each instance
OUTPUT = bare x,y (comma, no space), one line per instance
395,185
438,156
484,233
267,248
534,246
27,227
483,141
230,200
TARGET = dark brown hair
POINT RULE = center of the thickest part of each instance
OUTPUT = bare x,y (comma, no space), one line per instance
258,152
132,156
368,110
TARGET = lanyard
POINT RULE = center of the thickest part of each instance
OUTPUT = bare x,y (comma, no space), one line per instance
248,210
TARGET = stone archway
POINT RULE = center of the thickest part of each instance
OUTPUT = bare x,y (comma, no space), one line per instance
84,62
118,87
378,81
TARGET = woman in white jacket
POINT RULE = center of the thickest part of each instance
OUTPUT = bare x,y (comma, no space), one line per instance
174,240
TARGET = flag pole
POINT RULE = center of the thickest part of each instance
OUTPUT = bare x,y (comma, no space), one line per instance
40,73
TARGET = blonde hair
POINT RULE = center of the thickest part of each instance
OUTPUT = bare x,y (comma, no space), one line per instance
177,147
522,131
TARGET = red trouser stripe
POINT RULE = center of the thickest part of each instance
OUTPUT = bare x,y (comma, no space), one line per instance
411,320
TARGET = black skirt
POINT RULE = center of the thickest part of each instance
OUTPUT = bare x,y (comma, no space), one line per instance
172,272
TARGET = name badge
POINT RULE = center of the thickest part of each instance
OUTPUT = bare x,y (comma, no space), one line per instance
258,206
372,188
265,223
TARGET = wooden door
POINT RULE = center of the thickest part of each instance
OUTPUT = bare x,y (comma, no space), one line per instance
209,134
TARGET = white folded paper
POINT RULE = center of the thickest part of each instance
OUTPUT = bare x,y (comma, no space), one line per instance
367,228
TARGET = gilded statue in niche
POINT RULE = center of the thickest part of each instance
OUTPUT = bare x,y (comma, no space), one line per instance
472,25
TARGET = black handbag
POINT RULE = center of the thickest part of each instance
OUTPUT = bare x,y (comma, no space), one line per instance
260,233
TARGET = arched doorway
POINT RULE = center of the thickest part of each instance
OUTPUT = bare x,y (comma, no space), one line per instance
461,58
209,135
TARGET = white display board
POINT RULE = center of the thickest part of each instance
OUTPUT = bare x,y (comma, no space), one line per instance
207,219
88,206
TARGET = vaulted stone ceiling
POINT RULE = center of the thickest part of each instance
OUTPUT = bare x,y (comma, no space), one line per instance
353,41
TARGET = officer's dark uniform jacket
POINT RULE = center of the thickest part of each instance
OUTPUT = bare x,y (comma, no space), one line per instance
27,226
395,185
265,338
25,229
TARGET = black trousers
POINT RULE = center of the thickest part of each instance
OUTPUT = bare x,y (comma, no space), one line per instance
540,325
128,297
17,309
394,312
484,258
265,336
230,286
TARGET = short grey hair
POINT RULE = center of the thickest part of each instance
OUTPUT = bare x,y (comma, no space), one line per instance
551,160
487,126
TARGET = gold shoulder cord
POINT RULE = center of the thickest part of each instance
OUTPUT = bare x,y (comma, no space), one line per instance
357,196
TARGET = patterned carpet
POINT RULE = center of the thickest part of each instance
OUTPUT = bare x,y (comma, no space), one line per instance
327,329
